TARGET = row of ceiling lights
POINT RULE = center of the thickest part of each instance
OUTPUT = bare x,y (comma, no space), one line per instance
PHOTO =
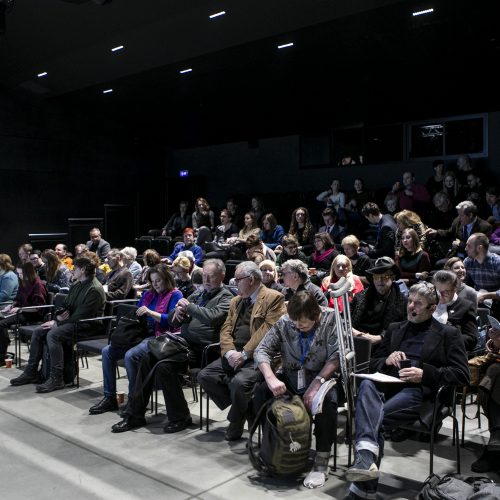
214,16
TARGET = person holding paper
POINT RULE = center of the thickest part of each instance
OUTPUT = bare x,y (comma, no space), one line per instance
306,339
437,356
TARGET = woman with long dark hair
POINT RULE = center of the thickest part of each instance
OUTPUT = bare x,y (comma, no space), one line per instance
302,229
31,292
58,275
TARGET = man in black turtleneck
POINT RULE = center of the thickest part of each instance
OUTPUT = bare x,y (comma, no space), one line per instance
437,356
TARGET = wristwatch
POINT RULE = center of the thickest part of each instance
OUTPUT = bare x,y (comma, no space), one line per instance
321,379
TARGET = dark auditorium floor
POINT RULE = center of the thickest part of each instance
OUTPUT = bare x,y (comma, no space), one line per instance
53,449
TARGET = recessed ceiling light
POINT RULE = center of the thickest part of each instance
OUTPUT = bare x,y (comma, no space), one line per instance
188,70
421,12
107,91
284,46
217,14
42,74
114,49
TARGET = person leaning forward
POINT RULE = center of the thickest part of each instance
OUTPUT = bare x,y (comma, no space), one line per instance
231,379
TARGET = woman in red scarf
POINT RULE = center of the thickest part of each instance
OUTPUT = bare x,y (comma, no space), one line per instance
323,255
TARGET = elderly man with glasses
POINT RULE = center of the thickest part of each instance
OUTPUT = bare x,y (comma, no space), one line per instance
230,379
380,304
436,356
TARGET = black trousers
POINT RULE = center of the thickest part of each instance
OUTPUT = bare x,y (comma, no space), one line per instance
228,388
168,376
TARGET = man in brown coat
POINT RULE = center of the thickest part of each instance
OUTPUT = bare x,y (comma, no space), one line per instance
230,379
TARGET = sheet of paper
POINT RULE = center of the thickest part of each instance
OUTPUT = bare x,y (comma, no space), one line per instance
379,377
317,403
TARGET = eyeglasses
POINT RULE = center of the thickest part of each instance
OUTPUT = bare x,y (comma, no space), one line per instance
242,278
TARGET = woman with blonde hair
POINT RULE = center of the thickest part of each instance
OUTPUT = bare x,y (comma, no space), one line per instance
413,263
180,268
360,261
341,268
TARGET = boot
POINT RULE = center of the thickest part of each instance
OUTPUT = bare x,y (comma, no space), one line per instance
53,383
26,377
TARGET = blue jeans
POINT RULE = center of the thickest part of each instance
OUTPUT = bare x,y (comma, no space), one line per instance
380,409
112,354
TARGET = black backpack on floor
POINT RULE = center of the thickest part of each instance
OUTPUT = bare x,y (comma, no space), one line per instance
286,437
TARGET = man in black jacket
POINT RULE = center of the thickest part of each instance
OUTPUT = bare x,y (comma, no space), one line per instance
386,231
380,304
437,356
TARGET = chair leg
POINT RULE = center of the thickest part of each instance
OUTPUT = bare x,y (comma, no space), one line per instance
208,417
201,407
457,440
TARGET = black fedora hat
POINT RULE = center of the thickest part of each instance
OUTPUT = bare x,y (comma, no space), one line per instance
383,265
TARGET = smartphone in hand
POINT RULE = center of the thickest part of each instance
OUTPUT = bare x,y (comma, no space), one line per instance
405,363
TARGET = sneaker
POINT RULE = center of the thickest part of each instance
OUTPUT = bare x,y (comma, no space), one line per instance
51,384
364,467
25,378
107,403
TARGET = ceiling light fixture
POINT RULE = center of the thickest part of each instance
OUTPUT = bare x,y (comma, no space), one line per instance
217,14
188,70
44,73
114,49
107,91
284,46
421,12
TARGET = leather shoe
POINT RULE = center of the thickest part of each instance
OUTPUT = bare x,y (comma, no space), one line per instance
127,424
234,431
108,403
178,426
53,383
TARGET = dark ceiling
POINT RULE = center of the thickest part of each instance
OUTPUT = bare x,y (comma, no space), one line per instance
364,61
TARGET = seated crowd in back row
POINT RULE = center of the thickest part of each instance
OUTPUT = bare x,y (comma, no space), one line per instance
280,293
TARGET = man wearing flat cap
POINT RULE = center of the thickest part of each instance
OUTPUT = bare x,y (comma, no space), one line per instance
380,304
